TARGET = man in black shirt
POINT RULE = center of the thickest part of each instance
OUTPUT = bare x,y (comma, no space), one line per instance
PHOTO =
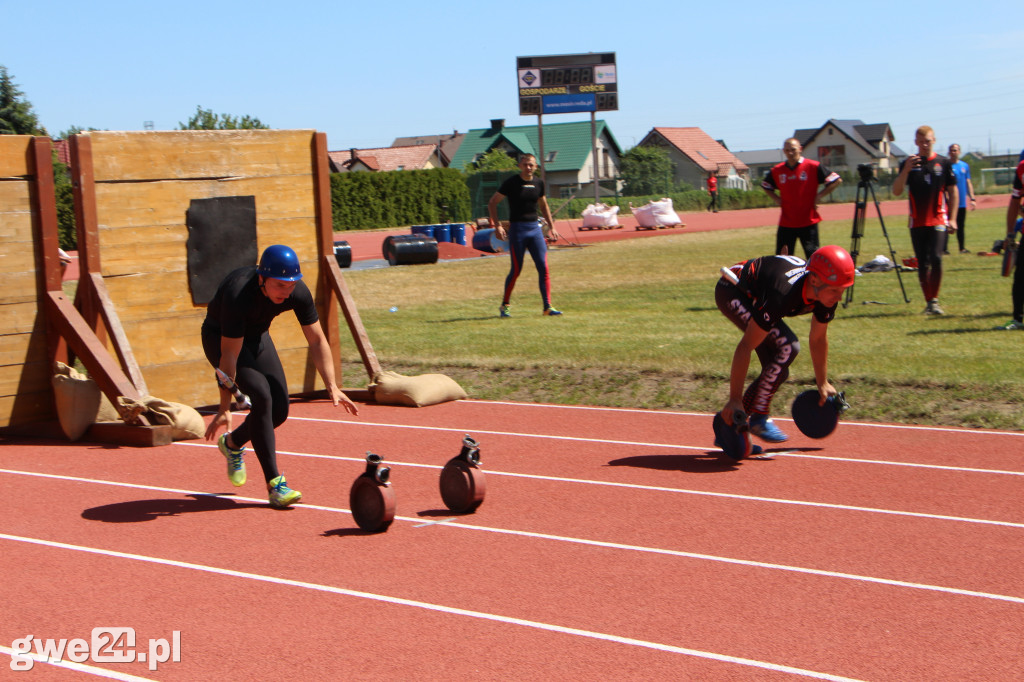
768,289
525,195
237,341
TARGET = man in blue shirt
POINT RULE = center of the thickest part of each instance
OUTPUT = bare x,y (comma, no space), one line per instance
965,190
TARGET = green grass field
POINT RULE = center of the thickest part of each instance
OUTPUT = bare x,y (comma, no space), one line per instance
641,328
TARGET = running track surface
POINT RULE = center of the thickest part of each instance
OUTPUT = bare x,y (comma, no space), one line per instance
612,544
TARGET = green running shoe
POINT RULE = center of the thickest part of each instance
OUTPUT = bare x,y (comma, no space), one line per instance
236,467
281,495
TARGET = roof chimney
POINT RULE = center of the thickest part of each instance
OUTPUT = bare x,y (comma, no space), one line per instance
352,153
497,123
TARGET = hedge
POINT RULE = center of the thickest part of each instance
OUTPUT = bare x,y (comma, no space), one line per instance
361,200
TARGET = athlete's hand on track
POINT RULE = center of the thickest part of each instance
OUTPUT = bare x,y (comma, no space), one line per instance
223,419
339,397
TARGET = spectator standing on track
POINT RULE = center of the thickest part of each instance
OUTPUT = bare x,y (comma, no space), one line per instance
931,186
236,340
525,194
1012,216
769,289
713,191
964,191
793,185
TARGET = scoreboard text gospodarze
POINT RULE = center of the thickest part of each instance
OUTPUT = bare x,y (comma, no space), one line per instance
567,83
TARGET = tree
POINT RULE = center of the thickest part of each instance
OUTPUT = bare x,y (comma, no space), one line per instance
16,115
646,170
205,119
494,160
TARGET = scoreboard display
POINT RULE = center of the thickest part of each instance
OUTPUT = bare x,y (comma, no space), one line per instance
562,84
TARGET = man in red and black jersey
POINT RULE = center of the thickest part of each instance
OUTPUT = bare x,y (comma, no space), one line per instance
1012,216
793,185
769,289
931,184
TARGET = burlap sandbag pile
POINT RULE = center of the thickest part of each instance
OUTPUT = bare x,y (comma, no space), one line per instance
81,403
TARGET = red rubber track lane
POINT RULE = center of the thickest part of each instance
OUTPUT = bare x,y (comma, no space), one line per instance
613,544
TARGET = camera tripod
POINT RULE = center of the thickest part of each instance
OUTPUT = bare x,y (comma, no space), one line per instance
865,187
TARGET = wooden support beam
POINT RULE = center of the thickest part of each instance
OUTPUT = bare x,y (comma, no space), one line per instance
355,323
65,318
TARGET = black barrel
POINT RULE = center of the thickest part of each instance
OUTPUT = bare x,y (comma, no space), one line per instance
409,249
343,254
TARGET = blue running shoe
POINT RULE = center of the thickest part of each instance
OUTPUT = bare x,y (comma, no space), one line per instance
765,429
503,311
552,311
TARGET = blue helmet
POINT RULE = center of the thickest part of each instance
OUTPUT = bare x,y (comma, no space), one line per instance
280,262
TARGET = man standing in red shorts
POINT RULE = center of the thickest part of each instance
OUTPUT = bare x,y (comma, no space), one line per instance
793,185
931,183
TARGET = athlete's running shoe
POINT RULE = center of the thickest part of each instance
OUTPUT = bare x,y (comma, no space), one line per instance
765,429
552,311
281,495
236,467
503,311
1011,325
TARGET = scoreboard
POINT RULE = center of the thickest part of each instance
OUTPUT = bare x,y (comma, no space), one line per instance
562,84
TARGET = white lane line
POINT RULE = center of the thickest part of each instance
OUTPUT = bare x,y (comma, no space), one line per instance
575,632
579,541
78,667
908,427
666,489
674,446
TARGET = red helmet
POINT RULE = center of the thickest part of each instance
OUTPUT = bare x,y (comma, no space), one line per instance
834,265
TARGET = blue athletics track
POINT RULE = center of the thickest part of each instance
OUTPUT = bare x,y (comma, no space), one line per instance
613,544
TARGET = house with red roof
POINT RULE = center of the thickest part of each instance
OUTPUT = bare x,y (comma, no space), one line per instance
695,155
410,157
447,144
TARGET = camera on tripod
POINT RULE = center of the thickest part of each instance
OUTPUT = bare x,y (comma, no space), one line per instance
867,171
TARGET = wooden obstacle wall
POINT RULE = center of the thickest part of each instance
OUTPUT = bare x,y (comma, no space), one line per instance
134,190
25,391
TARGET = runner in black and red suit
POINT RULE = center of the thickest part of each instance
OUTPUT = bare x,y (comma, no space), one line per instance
932,187
771,288
1012,215
526,199
796,180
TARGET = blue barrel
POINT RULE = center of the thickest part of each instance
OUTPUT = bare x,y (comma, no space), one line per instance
487,240
442,233
424,230
458,233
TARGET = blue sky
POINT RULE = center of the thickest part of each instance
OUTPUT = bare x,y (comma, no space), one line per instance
367,72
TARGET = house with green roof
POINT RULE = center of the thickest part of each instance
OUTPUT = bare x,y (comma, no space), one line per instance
566,159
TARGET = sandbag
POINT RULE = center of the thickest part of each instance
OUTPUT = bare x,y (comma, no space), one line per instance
78,400
392,388
185,422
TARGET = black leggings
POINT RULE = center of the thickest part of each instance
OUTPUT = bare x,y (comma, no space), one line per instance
261,377
776,353
929,243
